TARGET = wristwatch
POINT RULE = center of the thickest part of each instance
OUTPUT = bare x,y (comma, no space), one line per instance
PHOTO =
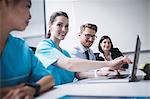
35,86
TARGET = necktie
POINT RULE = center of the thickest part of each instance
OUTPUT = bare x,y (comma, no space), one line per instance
87,54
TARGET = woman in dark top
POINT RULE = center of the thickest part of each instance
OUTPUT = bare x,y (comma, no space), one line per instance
107,52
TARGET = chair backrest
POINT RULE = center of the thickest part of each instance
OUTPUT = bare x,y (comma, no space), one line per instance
33,49
98,57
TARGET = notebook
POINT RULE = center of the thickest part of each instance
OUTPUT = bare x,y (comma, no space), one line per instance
123,78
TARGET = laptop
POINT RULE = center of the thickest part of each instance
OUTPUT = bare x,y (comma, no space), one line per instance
122,78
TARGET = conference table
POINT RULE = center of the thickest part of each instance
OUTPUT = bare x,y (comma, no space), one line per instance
83,89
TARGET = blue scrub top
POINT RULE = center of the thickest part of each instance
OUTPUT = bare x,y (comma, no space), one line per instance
18,64
48,53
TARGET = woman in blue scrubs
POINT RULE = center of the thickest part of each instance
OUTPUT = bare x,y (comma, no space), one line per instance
58,61
22,75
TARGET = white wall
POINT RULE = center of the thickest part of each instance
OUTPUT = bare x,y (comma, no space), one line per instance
122,20
143,58
148,7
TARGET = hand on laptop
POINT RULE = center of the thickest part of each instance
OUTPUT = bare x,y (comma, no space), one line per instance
126,60
118,62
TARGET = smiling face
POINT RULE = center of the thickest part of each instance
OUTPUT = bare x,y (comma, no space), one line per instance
106,45
18,14
59,28
87,37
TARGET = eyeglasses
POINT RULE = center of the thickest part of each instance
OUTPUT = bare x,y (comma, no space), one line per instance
88,36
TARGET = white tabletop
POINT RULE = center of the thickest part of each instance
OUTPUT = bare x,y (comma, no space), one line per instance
141,88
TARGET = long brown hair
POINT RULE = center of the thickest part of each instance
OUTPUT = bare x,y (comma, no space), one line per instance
52,19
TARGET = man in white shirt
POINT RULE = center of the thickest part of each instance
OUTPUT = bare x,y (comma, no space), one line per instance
87,36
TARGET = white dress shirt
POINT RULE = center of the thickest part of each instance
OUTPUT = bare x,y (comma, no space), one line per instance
79,52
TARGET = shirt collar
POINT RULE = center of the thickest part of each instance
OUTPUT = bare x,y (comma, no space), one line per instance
83,49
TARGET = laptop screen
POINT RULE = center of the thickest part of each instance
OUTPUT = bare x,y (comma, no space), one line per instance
136,59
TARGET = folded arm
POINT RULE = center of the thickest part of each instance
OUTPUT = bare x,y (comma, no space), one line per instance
22,91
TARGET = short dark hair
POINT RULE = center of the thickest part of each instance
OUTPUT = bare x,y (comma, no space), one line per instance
101,40
88,25
53,17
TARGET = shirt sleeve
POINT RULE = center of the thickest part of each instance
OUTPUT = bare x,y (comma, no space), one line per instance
37,69
75,53
47,53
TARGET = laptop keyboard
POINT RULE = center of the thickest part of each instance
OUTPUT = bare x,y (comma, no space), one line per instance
118,76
